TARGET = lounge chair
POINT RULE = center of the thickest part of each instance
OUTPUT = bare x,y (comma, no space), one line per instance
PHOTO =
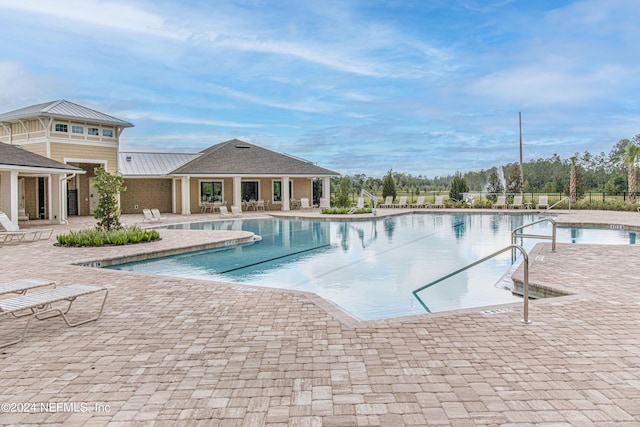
419,203
500,203
148,216
517,203
438,203
236,211
13,232
39,305
543,202
325,202
224,211
21,286
156,214
388,202
304,203
402,203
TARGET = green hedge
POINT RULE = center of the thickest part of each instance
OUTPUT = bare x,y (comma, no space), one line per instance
98,237
337,211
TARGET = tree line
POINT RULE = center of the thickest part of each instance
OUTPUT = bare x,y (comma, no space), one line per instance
611,173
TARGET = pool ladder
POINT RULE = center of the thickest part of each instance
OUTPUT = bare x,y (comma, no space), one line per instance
513,247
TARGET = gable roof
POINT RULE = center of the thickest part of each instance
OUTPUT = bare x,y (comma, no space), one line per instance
131,164
62,109
237,157
14,157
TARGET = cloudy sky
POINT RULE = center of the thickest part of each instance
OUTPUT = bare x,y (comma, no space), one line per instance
357,86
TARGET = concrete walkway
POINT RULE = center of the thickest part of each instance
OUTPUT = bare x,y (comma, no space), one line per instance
173,351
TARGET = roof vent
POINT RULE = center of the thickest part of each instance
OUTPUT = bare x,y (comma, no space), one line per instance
128,158
242,146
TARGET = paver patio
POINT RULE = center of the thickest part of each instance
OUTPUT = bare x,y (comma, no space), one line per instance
173,351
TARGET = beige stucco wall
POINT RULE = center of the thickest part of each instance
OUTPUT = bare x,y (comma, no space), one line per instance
146,193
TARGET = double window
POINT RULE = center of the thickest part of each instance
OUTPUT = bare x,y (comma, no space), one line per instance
62,127
211,191
250,190
277,191
93,131
77,129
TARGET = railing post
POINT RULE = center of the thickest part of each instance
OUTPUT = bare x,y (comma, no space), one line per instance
525,287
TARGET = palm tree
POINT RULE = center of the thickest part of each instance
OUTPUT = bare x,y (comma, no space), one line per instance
572,181
631,154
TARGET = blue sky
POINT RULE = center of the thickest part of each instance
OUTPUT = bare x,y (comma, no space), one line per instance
357,86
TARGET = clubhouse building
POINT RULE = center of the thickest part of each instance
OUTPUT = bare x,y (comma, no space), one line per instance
48,153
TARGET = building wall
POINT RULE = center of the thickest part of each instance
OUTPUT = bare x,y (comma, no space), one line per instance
146,193
85,153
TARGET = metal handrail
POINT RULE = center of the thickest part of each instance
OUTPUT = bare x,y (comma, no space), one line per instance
373,198
515,235
508,248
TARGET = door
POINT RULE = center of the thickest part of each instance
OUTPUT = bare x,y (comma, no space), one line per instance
93,197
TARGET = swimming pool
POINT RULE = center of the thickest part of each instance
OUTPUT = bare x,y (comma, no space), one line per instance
369,268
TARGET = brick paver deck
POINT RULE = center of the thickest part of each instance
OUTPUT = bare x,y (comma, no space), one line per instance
173,351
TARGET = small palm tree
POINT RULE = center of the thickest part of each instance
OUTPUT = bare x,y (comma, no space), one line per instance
631,154
572,182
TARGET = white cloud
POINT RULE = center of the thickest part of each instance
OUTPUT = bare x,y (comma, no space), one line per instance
164,118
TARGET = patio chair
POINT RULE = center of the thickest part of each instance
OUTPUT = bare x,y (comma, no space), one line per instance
40,305
224,211
543,202
438,203
500,203
304,203
156,214
419,203
260,206
517,203
14,233
148,216
388,202
402,203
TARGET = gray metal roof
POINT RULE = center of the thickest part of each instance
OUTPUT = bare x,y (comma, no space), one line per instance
133,164
62,109
12,156
237,157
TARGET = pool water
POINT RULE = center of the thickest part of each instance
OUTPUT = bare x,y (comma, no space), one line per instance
369,268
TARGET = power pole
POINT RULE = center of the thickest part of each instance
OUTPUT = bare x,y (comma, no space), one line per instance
521,167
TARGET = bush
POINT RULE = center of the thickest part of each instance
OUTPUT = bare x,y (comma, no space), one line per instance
101,237
337,211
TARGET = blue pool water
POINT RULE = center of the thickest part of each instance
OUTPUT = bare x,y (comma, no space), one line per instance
369,268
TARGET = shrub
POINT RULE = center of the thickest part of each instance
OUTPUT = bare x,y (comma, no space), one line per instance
337,211
101,237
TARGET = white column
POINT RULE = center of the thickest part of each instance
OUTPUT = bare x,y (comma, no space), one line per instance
186,195
237,191
174,186
55,196
9,193
285,193
325,199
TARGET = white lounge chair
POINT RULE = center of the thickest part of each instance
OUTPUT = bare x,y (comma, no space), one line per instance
388,202
543,202
224,211
517,203
156,214
500,203
148,216
402,203
304,203
438,203
419,203
40,305
13,232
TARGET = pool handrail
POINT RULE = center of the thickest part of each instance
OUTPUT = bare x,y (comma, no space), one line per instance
525,286
515,235
542,212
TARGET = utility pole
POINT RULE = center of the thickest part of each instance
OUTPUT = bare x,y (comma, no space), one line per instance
521,167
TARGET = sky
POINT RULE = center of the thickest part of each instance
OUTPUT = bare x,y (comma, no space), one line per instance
356,86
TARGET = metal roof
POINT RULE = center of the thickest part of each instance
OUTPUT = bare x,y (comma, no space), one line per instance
133,164
237,157
12,156
62,109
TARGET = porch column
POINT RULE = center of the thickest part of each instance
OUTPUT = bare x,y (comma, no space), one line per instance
285,193
325,199
56,182
9,195
186,195
237,191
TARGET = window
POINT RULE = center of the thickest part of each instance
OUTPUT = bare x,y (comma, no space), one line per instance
77,129
277,191
211,191
93,131
249,190
61,127
107,133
